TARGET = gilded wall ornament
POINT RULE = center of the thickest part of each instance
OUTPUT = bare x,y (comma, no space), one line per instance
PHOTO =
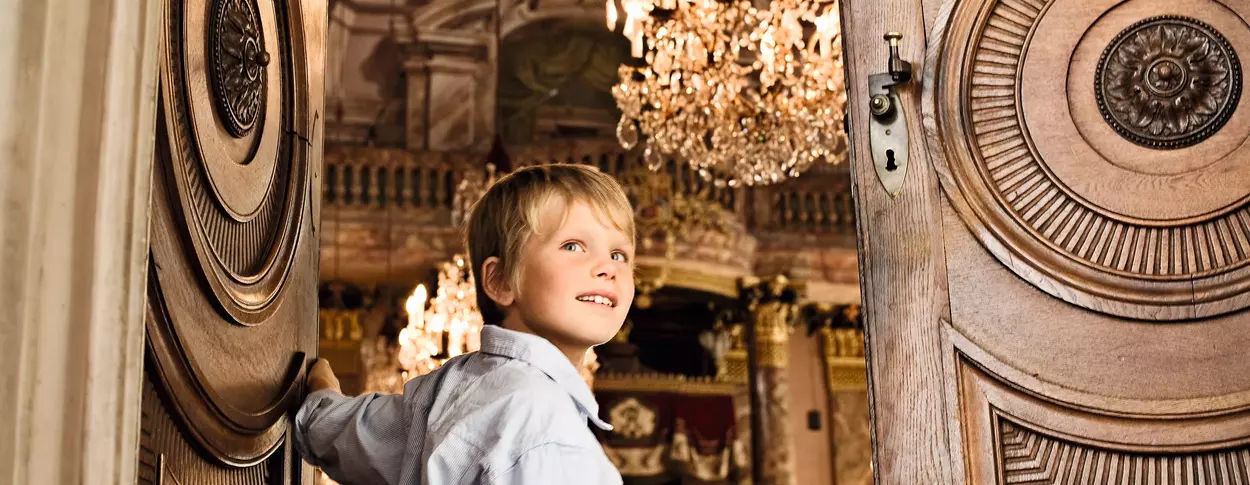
633,419
237,60
1168,82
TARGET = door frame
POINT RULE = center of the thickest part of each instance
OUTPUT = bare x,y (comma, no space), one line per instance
76,147
902,258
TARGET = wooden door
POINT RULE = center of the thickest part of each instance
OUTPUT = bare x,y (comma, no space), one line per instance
232,304
1058,293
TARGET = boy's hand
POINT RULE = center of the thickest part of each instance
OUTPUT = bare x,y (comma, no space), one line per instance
322,377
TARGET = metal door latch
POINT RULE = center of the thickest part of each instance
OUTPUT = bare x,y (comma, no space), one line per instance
887,127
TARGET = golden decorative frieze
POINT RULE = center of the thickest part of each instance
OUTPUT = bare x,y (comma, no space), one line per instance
340,327
660,382
842,343
845,367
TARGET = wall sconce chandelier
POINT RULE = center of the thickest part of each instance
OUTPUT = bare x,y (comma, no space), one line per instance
745,96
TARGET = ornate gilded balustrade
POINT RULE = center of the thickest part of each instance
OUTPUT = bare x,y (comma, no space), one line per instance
384,178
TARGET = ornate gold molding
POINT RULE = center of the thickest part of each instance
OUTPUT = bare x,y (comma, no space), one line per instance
674,383
340,327
736,368
772,306
660,273
772,334
846,374
843,348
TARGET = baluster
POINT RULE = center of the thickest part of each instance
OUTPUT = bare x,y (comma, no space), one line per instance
412,186
848,211
839,215
779,211
385,185
368,184
424,177
375,185
405,184
436,188
839,218
353,184
809,209
787,210
823,211
794,210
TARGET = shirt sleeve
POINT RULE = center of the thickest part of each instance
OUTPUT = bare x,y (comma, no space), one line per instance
557,464
353,439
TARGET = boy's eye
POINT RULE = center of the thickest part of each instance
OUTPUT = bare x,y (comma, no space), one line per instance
571,246
619,256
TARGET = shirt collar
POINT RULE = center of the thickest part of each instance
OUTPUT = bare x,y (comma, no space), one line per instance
544,355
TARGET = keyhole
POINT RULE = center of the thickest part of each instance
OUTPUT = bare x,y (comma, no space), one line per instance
890,166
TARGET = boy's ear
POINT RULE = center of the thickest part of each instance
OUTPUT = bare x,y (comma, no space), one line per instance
496,285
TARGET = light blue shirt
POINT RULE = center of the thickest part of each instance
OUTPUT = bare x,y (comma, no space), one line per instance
513,413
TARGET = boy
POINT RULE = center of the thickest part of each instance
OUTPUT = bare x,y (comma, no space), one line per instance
551,248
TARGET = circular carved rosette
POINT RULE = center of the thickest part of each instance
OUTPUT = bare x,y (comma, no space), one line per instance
231,294
239,60
1064,179
1168,82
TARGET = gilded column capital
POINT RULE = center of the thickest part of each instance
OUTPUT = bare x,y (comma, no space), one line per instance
842,338
772,304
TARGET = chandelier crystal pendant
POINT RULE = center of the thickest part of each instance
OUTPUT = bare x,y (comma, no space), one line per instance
452,325
744,95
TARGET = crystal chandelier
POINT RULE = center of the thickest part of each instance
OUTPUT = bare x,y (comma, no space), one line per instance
452,325
744,95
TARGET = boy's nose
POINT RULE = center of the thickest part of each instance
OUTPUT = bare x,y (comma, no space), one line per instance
605,269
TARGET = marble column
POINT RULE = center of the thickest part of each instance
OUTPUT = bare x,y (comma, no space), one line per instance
772,306
451,91
846,379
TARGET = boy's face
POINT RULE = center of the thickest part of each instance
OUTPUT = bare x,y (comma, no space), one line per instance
576,280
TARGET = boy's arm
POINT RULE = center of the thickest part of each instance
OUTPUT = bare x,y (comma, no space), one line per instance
354,440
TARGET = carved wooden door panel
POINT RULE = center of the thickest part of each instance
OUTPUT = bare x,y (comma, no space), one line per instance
235,201
1059,293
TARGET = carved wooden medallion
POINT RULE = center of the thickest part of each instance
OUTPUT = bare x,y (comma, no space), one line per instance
1168,82
239,59
232,305
1089,209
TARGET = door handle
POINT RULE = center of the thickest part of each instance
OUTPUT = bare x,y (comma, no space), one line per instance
887,127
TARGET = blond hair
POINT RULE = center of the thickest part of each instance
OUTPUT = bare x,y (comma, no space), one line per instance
510,213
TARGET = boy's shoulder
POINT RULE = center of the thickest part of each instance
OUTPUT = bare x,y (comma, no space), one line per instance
510,400
517,384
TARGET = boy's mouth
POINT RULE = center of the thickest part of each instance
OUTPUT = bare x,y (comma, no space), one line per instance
602,299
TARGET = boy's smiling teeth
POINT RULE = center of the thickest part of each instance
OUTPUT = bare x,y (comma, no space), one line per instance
596,299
